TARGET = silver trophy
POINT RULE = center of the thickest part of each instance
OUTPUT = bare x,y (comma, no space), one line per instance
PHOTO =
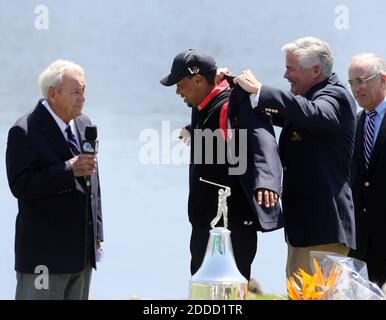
218,278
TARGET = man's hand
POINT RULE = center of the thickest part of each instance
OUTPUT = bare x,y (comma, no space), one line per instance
248,82
221,72
185,136
270,197
83,165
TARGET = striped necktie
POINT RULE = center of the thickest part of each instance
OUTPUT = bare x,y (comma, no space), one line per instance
72,142
369,136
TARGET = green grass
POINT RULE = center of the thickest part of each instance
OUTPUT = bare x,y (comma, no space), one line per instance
252,296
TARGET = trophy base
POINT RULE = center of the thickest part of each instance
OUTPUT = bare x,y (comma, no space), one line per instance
218,291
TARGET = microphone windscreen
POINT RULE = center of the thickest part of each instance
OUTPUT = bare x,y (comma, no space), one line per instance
91,133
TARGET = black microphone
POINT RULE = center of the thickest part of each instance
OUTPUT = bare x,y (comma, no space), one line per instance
89,146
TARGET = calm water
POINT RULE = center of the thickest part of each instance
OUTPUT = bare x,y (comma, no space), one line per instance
125,47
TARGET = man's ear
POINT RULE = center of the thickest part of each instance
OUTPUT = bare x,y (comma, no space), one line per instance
316,71
198,78
383,80
51,93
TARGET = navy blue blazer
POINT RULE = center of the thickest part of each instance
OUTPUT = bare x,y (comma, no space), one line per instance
256,165
51,223
368,188
316,148
263,169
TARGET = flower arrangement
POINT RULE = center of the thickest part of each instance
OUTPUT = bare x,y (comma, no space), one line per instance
311,287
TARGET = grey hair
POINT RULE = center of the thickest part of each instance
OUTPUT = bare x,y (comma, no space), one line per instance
52,76
375,62
312,51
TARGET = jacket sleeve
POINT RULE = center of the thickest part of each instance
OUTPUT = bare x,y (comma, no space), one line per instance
321,113
264,165
277,120
99,235
264,153
27,180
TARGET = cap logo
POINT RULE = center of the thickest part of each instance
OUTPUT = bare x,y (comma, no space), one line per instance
194,70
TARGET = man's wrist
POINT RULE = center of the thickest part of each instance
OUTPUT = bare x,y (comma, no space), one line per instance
69,165
254,97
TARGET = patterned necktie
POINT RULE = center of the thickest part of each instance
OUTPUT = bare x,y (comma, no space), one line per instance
369,136
72,142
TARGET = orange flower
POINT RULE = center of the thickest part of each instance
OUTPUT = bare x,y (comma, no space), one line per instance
311,287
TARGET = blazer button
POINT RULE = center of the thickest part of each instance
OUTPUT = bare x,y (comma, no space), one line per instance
247,223
284,168
366,184
364,210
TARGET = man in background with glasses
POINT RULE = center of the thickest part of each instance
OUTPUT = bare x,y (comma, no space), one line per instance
367,78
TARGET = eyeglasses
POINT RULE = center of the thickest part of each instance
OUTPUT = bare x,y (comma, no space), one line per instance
361,82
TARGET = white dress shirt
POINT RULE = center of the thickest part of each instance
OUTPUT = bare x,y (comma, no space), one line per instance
381,109
254,98
61,124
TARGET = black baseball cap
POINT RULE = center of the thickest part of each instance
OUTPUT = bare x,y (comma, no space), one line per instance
189,62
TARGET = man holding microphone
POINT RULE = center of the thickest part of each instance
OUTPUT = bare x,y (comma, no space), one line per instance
59,223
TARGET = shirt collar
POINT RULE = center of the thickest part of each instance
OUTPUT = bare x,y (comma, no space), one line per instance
222,86
333,80
380,108
61,124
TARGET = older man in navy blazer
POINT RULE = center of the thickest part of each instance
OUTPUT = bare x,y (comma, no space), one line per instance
316,147
59,223
367,77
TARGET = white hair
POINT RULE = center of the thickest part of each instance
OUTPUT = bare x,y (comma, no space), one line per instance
312,51
375,62
52,76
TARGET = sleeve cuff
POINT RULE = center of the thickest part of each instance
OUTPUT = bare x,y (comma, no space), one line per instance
254,97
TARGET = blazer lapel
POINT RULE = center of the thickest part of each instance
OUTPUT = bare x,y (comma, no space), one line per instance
379,142
80,127
53,133
359,141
